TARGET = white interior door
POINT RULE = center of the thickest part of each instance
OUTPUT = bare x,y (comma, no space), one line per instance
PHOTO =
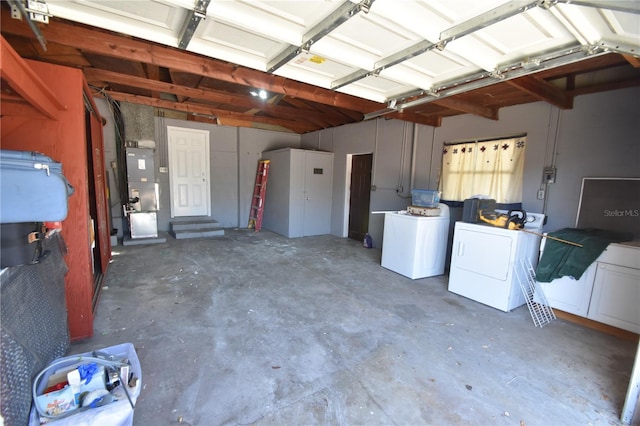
189,171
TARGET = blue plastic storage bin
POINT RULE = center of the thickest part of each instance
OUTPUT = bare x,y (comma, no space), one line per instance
425,198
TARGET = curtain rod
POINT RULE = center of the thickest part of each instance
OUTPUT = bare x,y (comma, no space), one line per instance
520,135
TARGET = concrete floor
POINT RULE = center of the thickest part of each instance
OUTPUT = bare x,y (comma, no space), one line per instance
254,328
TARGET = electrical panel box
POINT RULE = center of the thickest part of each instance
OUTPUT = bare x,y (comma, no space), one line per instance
549,175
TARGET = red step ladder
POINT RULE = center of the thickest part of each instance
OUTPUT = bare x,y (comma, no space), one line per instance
259,191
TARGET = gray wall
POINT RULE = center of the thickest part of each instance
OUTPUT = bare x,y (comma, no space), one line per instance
385,139
234,154
223,160
598,137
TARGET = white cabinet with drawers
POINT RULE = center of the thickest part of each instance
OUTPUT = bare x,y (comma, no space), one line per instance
608,291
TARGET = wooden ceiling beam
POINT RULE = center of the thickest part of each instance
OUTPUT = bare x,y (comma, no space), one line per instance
333,116
216,96
250,124
468,107
108,44
543,91
416,118
294,126
153,73
633,60
22,80
603,87
182,79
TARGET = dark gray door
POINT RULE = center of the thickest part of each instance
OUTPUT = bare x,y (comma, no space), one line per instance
360,195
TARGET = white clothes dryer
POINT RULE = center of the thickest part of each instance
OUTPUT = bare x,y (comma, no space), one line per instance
485,261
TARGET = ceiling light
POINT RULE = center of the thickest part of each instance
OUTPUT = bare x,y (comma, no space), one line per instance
262,94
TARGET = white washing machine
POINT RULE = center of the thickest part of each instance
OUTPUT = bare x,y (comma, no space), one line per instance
485,261
415,246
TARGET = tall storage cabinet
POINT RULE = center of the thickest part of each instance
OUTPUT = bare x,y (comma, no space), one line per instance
298,199
70,133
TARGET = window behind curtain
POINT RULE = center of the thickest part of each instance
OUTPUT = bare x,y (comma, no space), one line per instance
491,167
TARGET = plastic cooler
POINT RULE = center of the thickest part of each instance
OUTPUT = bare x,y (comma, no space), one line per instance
115,413
425,198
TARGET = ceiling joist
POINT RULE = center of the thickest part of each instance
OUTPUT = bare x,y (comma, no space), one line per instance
543,91
149,53
468,107
189,107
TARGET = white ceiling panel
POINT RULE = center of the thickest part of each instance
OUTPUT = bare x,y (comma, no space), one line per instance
345,52
320,65
314,69
613,25
435,63
420,17
376,88
152,20
377,36
623,24
403,73
354,48
286,21
234,44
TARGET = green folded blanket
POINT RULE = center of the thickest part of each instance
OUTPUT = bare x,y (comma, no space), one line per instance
561,259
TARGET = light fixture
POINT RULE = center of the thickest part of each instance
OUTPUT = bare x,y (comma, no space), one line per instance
262,94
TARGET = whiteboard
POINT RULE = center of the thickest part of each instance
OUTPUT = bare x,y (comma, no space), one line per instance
612,204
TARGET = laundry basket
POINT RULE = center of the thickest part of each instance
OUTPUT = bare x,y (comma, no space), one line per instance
109,364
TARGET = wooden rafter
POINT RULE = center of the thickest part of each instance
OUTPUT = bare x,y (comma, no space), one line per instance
216,96
107,44
633,60
27,85
189,107
543,91
468,107
153,73
150,70
596,88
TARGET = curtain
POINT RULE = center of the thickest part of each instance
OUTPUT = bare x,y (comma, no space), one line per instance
493,168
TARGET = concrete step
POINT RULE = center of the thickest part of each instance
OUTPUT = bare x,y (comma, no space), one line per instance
197,233
128,241
186,225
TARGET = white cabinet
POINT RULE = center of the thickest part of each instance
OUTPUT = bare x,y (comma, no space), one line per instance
570,295
608,291
616,297
299,190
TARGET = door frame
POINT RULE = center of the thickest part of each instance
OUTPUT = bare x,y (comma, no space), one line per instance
207,165
347,189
